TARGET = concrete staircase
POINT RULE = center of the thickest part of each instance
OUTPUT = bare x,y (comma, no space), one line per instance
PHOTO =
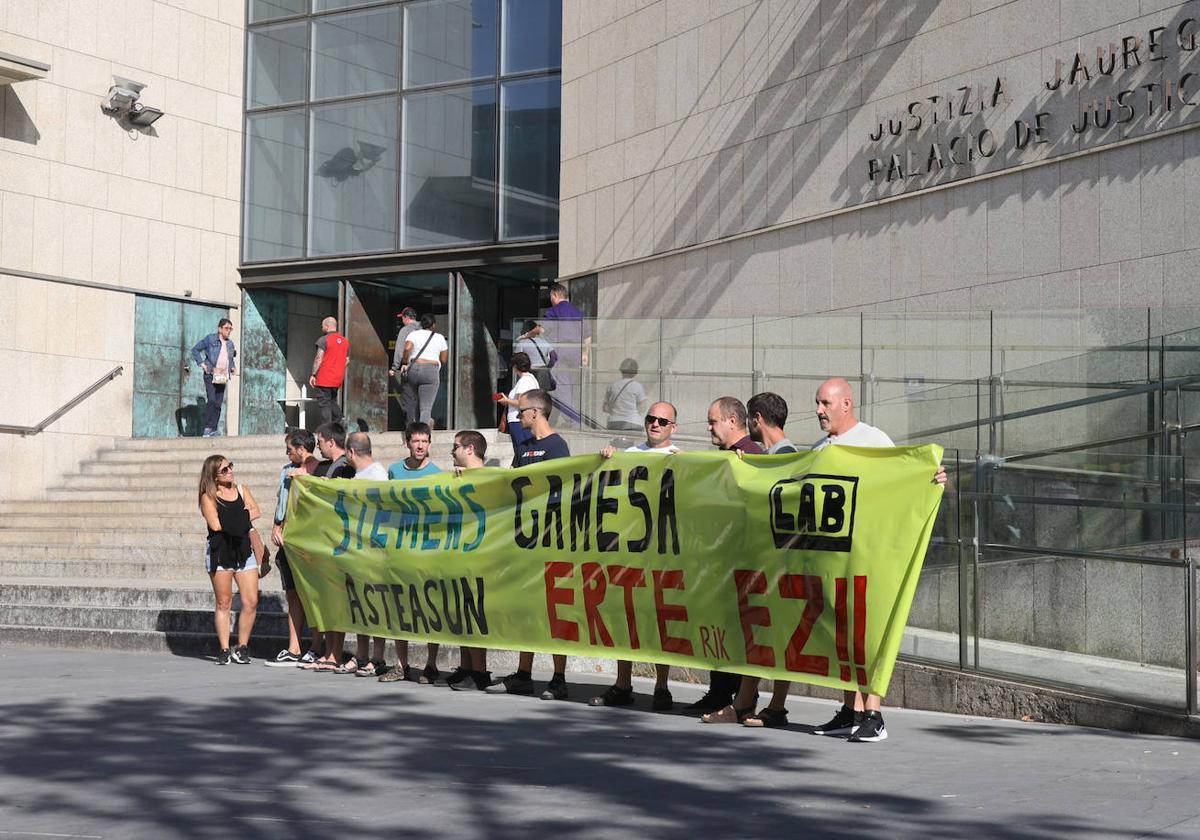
113,558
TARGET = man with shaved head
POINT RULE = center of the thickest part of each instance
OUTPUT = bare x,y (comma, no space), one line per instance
329,370
859,716
659,424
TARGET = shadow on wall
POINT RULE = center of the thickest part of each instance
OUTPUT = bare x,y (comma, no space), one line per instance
15,122
745,185
165,765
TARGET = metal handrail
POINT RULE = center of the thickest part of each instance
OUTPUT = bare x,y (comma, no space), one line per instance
26,431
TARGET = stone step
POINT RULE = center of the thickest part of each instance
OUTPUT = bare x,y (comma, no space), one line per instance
158,522
110,593
181,643
236,443
64,567
163,620
189,538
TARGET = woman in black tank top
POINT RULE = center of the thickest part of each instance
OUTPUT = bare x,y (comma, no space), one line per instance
228,510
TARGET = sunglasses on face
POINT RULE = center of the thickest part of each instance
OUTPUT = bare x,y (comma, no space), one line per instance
228,468
652,420
521,411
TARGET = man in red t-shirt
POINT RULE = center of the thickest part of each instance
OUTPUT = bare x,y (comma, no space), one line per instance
329,370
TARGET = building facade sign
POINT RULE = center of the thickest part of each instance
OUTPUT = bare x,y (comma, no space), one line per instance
1091,100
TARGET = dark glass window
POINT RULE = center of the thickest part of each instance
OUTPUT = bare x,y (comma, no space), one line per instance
449,41
263,10
449,166
274,187
529,154
356,53
352,197
532,35
278,64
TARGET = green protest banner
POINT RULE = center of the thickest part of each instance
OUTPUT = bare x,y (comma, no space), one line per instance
799,567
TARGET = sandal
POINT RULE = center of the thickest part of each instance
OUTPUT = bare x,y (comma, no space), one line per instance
367,669
324,666
768,718
347,667
728,715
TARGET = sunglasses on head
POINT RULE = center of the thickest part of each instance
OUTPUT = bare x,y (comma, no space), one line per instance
228,468
652,420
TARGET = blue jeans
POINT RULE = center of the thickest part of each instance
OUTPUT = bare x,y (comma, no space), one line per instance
215,395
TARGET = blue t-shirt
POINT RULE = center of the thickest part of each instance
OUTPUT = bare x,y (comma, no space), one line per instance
400,472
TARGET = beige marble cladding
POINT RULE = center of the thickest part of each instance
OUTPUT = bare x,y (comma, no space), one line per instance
83,201
716,155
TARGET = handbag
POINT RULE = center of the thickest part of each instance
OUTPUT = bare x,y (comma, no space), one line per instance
544,377
404,373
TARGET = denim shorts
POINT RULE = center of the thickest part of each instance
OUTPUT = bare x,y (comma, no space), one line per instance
251,562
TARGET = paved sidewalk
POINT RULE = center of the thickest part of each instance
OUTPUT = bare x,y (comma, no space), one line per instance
116,745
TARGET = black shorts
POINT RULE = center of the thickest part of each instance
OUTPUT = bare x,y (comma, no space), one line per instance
285,571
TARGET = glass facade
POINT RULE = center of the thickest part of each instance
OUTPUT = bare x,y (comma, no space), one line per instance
378,127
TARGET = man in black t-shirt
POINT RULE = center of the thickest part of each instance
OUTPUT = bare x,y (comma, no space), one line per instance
727,428
331,443
533,412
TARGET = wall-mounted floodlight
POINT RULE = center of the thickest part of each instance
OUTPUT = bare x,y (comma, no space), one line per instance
121,103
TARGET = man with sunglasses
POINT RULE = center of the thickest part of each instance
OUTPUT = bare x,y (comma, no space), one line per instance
533,412
659,425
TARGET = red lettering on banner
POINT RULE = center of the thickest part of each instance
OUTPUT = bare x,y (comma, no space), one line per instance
839,606
807,588
860,628
670,612
753,583
555,596
704,642
594,587
627,578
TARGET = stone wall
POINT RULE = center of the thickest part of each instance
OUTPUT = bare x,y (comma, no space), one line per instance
717,156
84,202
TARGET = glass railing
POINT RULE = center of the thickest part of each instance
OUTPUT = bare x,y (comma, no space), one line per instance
1060,553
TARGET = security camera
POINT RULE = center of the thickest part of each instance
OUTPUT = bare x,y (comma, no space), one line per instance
121,96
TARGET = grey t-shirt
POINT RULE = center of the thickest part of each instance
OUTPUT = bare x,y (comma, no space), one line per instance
782,447
401,337
622,401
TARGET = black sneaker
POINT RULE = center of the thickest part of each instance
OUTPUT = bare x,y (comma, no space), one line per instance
283,659
711,702
240,655
458,675
512,684
845,722
662,702
471,681
429,675
870,730
556,689
223,657
612,696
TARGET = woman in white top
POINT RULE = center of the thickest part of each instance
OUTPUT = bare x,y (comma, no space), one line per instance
523,381
425,351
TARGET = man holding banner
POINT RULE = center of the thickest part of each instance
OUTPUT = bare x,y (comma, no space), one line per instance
660,424
860,716
798,567
533,411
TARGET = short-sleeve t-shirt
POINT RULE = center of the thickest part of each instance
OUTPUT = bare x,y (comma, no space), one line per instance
401,337
860,434
418,339
335,349
671,449
782,447
543,449
623,398
537,349
525,382
400,471
338,468
375,472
